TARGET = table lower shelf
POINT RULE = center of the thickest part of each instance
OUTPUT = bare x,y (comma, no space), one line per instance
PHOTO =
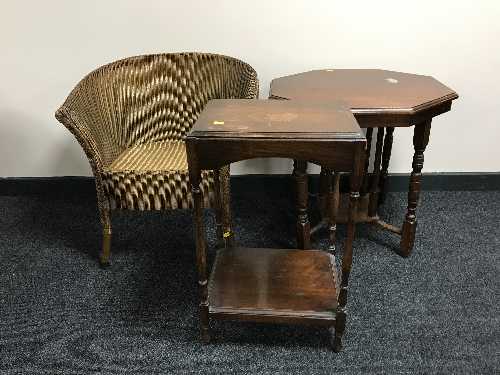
274,285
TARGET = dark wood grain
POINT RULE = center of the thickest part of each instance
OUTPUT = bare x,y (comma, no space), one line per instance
290,285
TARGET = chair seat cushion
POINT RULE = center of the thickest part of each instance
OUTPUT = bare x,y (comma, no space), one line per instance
154,176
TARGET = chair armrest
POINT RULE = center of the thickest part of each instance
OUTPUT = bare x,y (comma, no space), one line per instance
86,113
81,131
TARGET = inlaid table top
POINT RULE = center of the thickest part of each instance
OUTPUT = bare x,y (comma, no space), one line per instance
248,118
368,91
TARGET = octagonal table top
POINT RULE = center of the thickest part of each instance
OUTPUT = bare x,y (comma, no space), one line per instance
366,90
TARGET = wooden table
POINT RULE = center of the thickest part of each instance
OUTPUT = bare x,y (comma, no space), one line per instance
275,285
379,99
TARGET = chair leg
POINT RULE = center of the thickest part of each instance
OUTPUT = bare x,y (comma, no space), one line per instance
106,238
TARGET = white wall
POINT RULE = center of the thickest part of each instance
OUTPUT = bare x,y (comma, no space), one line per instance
47,46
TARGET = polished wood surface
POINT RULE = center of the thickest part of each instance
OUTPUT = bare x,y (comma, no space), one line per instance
365,90
281,284
264,284
332,141
380,99
264,118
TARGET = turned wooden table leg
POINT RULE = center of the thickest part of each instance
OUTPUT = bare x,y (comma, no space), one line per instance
303,226
366,177
420,141
374,189
225,185
386,157
325,182
218,208
334,201
201,256
340,319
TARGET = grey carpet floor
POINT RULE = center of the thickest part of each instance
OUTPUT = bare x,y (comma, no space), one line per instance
435,312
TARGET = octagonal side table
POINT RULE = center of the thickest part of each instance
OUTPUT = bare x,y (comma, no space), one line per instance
383,100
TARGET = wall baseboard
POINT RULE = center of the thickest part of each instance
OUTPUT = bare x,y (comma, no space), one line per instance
75,186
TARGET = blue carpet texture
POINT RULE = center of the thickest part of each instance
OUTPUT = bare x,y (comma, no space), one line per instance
437,312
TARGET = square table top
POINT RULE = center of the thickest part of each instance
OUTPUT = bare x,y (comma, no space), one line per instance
265,119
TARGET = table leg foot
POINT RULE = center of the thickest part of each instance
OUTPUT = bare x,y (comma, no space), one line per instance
336,343
205,335
407,238
205,325
336,337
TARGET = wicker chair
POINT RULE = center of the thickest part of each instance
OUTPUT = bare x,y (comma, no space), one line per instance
131,118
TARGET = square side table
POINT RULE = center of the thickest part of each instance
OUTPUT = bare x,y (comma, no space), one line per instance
275,285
